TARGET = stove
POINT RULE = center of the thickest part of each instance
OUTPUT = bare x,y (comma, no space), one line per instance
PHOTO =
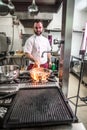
25,81
9,88
44,101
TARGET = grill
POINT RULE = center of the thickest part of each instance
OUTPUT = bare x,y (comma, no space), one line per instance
26,78
38,107
25,81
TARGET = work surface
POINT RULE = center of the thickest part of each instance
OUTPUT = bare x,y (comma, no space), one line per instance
74,126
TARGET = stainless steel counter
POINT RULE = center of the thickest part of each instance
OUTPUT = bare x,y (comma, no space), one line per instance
74,126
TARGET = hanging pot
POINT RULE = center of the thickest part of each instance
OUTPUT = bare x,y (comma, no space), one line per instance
4,10
11,7
33,8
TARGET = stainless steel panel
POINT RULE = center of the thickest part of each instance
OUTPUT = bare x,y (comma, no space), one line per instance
3,43
66,35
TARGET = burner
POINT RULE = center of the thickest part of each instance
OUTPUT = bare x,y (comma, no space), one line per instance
26,78
25,81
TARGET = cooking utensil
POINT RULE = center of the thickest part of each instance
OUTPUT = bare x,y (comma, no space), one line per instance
8,95
9,72
40,74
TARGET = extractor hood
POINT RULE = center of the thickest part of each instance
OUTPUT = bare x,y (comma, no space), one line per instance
28,20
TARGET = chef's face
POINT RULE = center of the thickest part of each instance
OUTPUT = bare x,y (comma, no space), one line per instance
38,28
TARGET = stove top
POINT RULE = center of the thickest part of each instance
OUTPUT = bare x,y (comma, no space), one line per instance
25,81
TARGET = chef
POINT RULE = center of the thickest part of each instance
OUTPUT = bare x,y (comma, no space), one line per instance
35,46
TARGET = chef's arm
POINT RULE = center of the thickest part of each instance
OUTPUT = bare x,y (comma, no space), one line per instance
28,55
49,59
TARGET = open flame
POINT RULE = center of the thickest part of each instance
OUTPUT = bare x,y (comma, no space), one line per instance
39,74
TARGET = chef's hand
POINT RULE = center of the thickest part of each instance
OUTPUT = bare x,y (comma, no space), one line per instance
36,64
50,65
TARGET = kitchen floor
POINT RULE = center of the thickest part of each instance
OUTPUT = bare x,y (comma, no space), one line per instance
72,91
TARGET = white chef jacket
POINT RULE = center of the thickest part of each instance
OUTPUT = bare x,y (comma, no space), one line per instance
36,45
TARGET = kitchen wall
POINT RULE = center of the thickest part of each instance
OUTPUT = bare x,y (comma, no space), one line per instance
80,18
14,32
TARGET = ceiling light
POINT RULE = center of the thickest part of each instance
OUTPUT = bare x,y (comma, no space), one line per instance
33,9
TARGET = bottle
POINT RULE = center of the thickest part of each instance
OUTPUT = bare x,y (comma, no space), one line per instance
53,66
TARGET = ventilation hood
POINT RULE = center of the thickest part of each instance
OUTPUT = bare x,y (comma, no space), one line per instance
28,20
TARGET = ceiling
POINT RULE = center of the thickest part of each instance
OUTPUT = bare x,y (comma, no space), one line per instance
44,5
46,10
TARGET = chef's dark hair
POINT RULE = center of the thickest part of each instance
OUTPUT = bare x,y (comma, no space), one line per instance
38,20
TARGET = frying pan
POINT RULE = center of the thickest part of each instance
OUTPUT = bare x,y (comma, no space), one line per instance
9,72
40,73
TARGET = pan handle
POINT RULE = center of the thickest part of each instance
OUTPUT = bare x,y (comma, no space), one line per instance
8,95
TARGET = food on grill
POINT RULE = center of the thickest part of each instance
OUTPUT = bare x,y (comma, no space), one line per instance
39,74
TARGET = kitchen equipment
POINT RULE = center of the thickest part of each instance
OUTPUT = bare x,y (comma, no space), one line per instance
3,43
4,10
24,80
11,7
33,9
39,107
3,54
40,74
11,53
8,72
84,42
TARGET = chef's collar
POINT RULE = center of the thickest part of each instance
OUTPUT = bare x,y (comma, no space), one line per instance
37,35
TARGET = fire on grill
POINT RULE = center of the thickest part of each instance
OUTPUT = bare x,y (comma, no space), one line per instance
40,74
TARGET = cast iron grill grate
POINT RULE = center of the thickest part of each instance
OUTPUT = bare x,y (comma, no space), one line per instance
40,106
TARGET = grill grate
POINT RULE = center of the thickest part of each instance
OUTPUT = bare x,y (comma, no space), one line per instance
40,106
